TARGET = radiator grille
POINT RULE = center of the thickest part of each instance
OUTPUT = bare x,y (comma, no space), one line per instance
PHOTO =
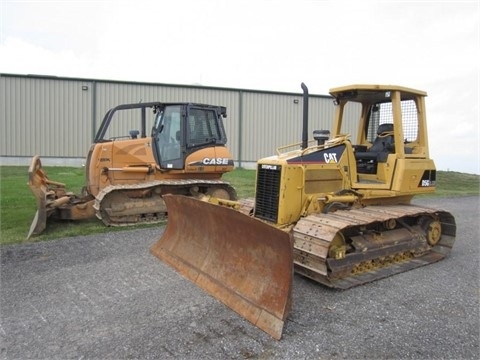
267,193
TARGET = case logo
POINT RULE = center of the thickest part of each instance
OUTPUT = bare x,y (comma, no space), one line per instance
215,161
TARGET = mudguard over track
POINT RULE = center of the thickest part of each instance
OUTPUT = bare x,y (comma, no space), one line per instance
241,261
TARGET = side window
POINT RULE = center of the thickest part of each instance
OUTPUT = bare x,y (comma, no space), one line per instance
202,127
379,114
383,114
410,120
173,129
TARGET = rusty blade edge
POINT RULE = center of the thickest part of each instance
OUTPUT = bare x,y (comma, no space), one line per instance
206,268
258,316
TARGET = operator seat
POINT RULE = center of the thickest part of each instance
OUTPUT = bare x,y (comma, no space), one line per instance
378,152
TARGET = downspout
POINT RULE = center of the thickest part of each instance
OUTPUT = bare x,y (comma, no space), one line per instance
240,127
94,110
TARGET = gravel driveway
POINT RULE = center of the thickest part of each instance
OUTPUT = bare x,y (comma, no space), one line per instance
106,297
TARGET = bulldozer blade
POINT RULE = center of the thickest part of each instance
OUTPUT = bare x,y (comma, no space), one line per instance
241,261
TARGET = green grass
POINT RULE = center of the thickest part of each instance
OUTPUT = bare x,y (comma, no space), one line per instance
17,204
243,181
451,183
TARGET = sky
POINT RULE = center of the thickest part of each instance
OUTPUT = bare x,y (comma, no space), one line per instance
270,45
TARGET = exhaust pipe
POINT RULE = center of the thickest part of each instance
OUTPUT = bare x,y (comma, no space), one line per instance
305,117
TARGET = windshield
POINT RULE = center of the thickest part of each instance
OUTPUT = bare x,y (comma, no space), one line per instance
167,133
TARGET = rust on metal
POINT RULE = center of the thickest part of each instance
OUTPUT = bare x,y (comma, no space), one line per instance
238,259
45,193
382,241
128,204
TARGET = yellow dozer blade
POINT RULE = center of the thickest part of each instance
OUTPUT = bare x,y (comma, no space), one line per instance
241,261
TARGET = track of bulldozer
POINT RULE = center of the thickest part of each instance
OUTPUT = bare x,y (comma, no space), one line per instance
347,248
120,205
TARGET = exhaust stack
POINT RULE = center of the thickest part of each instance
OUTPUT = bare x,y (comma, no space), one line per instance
305,117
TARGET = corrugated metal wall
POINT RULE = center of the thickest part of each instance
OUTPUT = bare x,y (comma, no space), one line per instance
58,117
273,120
44,116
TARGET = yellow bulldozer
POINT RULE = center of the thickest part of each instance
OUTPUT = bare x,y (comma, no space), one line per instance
335,209
129,171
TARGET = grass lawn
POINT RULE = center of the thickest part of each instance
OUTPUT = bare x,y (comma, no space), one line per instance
17,204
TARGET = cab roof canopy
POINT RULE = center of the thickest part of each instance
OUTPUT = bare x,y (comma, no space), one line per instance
373,93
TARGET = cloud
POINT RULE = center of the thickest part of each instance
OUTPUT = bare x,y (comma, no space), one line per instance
267,45
21,57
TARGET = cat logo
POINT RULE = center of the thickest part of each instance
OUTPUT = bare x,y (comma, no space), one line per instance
330,158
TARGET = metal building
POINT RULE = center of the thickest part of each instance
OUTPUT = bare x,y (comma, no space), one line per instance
57,117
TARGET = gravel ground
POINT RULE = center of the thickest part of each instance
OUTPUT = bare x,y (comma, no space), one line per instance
107,297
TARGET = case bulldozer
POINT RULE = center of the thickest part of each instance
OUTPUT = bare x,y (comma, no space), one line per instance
336,210
128,175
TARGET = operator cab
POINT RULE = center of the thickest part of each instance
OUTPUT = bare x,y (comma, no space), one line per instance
390,126
181,129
